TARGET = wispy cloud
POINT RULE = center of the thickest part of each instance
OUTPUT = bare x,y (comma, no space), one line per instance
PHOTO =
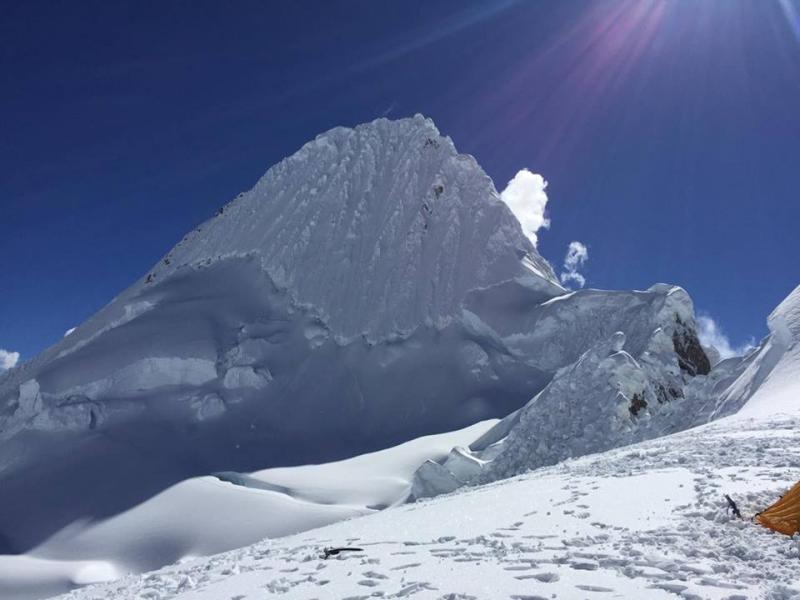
577,255
8,360
526,197
711,334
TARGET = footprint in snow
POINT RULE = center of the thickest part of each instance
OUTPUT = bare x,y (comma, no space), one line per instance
593,588
547,577
375,575
408,566
413,588
675,588
586,565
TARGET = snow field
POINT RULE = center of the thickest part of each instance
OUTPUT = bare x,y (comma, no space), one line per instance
645,521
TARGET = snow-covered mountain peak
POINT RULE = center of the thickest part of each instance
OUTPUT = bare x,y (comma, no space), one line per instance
379,228
784,321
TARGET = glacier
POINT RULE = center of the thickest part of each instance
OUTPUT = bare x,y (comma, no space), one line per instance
647,520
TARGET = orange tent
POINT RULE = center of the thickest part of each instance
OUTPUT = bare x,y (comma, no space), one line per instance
784,515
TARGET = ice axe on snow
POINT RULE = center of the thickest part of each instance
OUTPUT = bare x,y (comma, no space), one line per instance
328,552
732,507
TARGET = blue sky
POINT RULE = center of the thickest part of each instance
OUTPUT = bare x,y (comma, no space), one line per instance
669,132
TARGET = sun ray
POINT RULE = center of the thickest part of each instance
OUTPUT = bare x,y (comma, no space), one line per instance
792,12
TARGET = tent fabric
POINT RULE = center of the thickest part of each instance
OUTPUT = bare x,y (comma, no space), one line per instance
784,515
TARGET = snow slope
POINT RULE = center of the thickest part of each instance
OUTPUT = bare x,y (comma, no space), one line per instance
208,515
645,521
770,376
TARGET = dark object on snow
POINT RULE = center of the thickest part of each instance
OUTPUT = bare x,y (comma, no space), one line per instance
328,552
732,506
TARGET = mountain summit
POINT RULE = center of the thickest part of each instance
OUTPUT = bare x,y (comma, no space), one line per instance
319,315
380,229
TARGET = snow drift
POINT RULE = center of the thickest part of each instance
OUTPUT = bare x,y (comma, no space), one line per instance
207,515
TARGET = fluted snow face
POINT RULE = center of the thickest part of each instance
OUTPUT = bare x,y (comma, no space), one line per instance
380,228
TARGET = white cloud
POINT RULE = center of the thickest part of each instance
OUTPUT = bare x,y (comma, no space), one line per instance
577,255
70,330
8,360
526,197
711,334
